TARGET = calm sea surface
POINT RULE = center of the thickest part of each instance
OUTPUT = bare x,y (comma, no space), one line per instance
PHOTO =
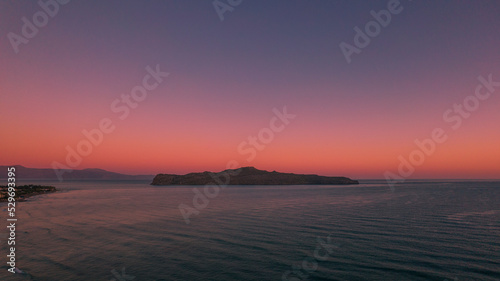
110,230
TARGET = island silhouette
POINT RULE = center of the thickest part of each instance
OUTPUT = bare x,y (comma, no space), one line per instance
248,176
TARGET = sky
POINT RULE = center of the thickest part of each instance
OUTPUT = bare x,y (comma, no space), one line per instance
234,67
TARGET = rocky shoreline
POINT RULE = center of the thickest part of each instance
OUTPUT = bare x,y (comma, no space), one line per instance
25,191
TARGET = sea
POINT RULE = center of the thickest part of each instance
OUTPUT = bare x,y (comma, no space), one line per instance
129,230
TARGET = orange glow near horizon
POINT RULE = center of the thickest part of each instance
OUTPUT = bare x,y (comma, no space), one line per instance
351,120
298,148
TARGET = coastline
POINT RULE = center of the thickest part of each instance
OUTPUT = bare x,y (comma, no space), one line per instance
25,191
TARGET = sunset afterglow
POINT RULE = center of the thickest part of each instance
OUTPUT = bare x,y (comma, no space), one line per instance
226,78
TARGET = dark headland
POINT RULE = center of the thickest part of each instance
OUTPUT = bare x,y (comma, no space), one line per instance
24,191
248,176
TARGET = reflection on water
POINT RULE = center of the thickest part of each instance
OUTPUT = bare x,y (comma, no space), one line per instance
119,230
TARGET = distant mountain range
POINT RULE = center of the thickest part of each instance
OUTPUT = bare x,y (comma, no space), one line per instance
23,173
247,176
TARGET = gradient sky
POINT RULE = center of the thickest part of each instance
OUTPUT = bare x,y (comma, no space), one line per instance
227,76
